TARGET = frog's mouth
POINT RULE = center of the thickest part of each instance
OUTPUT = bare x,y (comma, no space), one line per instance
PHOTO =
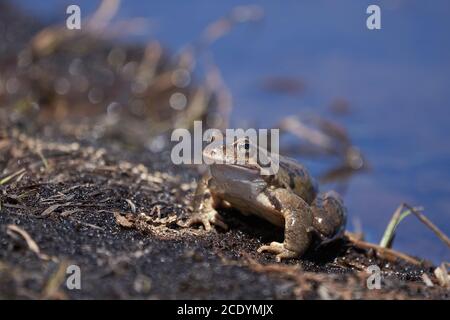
233,168
235,175
247,168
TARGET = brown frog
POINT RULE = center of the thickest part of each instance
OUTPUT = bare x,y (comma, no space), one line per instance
287,198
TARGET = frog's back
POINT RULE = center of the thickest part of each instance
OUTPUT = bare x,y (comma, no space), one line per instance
293,176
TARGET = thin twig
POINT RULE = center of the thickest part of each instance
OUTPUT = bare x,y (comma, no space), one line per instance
441,235
44,160
386,253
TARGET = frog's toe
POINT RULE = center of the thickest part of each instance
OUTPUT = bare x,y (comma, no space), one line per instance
286,254
217,220
206,219
274,247
280,251
197,220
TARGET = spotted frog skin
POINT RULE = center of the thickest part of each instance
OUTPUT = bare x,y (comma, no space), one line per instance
286,199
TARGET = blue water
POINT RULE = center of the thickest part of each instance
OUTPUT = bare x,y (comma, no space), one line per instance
396,79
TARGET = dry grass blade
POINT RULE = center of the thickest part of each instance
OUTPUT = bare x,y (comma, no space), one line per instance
441,235
389,233
132,205
69,212
30,242
11,176
50,210
32,245
52,288
43,159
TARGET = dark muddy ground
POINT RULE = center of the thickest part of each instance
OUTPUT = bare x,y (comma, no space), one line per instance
117,220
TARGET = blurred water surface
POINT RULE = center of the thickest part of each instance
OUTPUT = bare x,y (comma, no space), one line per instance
396,81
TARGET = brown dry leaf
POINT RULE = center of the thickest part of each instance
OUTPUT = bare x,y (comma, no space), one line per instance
123,221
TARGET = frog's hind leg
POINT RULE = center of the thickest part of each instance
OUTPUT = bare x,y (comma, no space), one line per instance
204,211
329,216
298,221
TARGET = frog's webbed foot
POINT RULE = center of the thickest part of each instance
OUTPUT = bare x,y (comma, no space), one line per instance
280,250
207,219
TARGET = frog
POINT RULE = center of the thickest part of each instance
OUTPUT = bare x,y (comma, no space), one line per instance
287,198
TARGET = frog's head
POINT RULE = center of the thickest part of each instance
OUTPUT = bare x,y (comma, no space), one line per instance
241,152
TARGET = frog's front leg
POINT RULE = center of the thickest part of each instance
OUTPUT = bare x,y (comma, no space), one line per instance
204,204
298,220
